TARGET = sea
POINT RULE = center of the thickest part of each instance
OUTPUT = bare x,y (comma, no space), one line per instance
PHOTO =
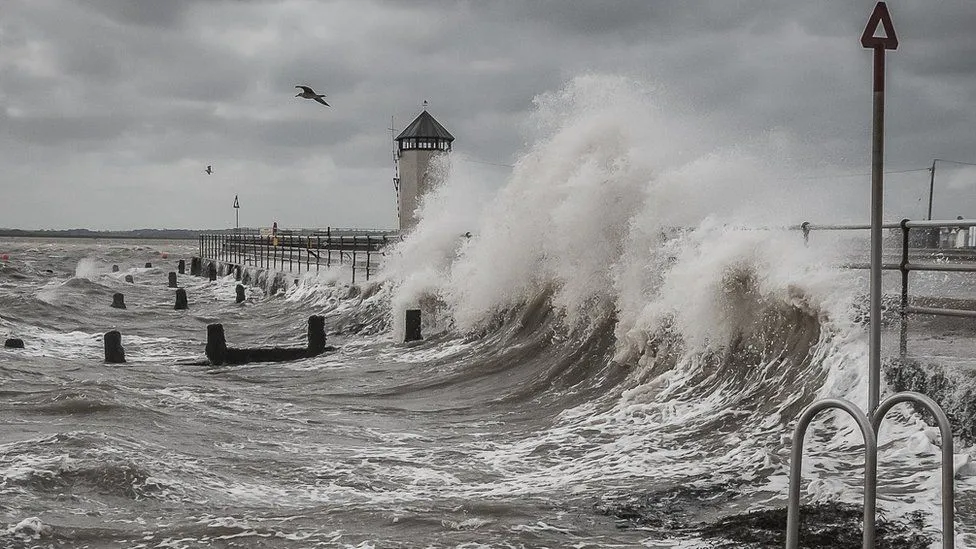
597,370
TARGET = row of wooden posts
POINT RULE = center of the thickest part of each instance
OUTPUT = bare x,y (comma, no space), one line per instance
217,351
118,299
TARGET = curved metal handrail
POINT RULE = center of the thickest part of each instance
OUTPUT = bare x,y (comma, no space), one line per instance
796,464
948,495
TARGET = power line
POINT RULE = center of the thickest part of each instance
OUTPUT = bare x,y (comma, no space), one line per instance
841,176
838,176
952,162
488,163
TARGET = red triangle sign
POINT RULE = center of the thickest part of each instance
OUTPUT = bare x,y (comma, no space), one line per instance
880,16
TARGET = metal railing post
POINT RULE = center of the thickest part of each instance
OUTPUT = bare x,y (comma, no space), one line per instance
796,465
903,267
367,256
948,491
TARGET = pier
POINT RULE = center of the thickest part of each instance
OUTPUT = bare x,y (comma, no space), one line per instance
299,250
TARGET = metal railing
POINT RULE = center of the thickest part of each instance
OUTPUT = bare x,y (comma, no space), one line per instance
291,252
870,423
907,264
869,430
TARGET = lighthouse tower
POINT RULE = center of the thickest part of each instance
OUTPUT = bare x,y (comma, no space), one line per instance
417,145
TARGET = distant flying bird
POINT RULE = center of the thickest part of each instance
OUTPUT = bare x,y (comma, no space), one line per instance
309,93
209,170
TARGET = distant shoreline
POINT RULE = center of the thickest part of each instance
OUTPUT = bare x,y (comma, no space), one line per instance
158,234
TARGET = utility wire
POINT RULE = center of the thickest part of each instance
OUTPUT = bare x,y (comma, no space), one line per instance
488,163
841,176
952,162
838,176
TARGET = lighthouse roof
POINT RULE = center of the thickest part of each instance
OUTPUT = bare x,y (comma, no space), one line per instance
425,126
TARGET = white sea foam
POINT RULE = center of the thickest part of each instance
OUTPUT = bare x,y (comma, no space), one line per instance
622,206
90,268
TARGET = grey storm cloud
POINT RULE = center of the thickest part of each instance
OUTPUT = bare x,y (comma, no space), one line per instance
121,103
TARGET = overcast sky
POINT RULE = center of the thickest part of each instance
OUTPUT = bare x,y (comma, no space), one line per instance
110,110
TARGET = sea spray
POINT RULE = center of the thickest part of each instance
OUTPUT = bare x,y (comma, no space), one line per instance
609,169
89,267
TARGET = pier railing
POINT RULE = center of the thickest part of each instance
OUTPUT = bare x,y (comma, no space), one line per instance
869,422
297,252
957,260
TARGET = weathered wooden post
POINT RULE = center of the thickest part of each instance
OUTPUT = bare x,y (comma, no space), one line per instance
115,268
181,302
195,266
216,349
316,335
14,343
172,279
181,267
149,265
212,271
129,279
114,353
240,293
118,301
412,331
237,272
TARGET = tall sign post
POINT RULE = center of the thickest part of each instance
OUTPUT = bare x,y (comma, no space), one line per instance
869,423
870,39
237,225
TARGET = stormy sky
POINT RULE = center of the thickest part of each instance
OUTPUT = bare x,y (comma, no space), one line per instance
110,110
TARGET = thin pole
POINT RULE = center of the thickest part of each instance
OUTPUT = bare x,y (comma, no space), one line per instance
877,210
931,188
903,336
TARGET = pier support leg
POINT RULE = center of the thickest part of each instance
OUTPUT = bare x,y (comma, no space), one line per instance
240,293
212,272
181,266
172,279
118,301
195,268
114,353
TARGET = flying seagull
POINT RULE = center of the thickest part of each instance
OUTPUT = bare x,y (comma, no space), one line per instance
309,93
209,170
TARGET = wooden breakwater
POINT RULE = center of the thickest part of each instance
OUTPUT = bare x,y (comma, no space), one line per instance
297,251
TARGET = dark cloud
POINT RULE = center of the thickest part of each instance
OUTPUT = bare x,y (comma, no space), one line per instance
144,13
129,98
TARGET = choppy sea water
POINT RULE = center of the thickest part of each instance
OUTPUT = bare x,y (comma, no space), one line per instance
527,433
